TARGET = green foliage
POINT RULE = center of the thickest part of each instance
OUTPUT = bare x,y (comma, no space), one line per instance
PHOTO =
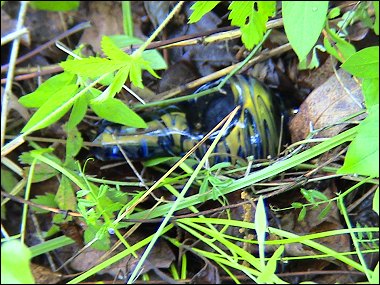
156,60
375,204
337,46
216,183
42,171
47,200
116,111
51,108
303,23
314,198
376,24
47,90
363,153
15,263
365,160
250,16
201,8
56,6
364,63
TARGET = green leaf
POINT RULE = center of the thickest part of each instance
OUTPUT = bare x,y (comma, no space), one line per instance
370,88
364,63
375,203
239,12
220,165
261,223
74,143
52,105
325,211
91,232
91,67
375,275
65,197
267,274
46,90
376,24
342,49
297,205
57,6
363,153
159,160
333,13
15,263
302,214
78,112
42,171
314,62
303,23
8,180
311,195
47,200
116,85
116,111
112,51
253,31
201,8
154,57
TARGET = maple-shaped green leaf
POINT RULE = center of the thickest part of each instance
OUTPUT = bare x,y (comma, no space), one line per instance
257,13
46,90
240,10
52,110
154,58
363,153
200,8
112,51
91,67
47,199
116,111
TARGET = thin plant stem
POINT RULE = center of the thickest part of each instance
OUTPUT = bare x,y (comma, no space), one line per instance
12,63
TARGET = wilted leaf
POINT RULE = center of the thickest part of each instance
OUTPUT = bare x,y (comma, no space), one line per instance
327,104
65,197
74,143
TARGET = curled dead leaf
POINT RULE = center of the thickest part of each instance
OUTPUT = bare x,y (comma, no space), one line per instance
337,98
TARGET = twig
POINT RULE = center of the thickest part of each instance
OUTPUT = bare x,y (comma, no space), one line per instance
10,37
65,34
12,63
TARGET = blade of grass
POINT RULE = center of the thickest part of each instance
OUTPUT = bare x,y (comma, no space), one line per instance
173,207
257,176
